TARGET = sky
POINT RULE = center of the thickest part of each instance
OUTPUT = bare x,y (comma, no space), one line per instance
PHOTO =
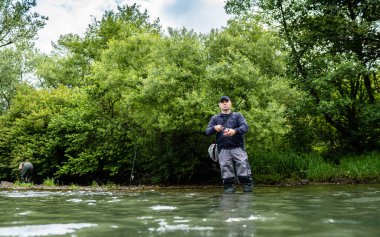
74,16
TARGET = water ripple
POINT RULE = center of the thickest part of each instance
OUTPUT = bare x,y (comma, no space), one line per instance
43,230
164,227
163,208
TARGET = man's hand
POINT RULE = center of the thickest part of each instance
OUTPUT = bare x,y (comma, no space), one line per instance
229,132
218,128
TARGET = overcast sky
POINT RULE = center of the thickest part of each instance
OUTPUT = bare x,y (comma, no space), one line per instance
73,16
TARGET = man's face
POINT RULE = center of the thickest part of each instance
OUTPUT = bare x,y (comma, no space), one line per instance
225,105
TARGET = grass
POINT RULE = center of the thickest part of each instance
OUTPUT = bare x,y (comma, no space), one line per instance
321,171
22,184
362,168
73,186
110,185
290,167
49,182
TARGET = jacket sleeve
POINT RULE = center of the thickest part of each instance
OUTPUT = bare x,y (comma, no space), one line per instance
242,126
210,128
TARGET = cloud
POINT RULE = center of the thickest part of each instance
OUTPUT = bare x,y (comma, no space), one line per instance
208,14
68,16
74,16
199,15
180,8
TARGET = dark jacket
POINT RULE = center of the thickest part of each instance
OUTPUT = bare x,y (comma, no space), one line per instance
235,121
26,169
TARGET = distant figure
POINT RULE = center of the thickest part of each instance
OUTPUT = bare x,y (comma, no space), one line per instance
26,169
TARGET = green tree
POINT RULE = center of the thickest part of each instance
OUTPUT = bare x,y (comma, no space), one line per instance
25,127
93,139
16,66
74,56
17,23
10,76
155,83
18,26
247,63
127,21
170,105
97,136
334,51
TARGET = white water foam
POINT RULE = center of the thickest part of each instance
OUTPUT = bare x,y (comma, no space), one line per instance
31,193
163,208
24,213
91,202
144,217
341,221
250,218
114,199
19,194
75,200
43,230
181,221
164,227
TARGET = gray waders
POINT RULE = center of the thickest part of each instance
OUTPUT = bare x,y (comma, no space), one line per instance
235,161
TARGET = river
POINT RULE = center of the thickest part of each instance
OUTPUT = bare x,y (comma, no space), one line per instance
323,210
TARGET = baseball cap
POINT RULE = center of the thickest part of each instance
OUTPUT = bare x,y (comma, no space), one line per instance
224,98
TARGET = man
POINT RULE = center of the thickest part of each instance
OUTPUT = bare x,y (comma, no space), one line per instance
26,169
229,128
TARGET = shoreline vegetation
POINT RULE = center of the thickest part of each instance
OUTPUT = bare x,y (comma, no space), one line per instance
269,169
277,168
5,185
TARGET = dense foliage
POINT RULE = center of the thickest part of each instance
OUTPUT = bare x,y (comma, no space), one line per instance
128,103
334,51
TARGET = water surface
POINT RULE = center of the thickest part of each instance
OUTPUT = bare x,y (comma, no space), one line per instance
328,210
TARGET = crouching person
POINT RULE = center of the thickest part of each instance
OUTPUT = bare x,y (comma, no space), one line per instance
26,170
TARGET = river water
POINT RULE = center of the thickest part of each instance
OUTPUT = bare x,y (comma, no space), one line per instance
326,210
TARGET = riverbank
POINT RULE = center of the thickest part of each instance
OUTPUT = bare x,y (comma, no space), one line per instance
133,188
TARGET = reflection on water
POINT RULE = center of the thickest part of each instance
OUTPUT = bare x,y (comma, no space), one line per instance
331,210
